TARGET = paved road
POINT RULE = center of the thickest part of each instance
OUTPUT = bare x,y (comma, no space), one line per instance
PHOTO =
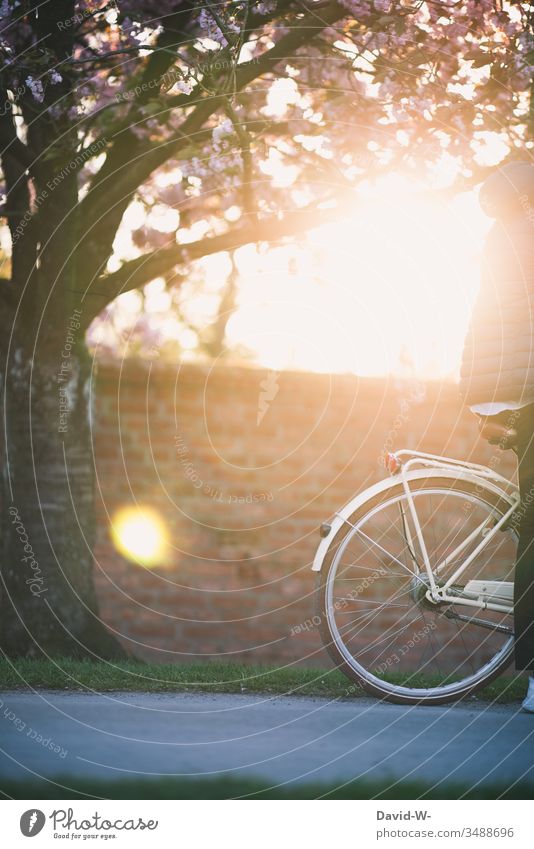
280,739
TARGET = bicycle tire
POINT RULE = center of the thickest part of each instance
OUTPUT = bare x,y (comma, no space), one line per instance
386,691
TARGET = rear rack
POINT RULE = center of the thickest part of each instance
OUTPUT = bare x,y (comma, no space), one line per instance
396,466
401,467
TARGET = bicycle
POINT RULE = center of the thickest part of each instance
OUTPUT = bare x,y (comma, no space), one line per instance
435,544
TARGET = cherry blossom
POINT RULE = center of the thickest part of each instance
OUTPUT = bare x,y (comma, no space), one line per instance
369,68
36,88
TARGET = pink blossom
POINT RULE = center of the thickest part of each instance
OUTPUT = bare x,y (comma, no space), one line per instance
358,8
184,86
265,8
36,88
210,28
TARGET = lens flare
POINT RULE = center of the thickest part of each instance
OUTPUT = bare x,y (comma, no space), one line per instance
140,534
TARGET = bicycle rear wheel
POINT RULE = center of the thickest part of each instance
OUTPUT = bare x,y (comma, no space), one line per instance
375,620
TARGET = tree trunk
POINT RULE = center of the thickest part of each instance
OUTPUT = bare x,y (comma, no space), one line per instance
49,604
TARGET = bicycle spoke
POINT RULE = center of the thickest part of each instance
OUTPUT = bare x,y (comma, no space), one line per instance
387,553
381,603
373,613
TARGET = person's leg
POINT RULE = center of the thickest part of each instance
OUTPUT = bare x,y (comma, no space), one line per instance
524,570
528,703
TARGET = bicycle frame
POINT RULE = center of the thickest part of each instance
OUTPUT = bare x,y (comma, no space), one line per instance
474,597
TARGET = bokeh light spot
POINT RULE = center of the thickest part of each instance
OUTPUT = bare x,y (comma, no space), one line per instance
140,535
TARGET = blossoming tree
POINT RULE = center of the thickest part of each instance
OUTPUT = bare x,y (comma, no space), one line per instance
186,105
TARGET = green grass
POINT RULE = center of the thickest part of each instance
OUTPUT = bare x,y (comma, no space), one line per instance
132,676
223,787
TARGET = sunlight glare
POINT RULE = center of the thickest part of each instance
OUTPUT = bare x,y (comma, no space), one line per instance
387,289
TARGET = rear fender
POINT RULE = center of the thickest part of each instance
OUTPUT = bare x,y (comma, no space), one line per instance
388,483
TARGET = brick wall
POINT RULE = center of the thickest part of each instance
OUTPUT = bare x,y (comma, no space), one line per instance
242,487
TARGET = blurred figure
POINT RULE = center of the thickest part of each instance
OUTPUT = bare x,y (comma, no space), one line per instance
497,373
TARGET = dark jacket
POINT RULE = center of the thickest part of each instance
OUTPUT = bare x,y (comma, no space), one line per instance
498,356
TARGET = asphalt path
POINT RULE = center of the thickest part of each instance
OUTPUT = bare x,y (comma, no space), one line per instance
278,739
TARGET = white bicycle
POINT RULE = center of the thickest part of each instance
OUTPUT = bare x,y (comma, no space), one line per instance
415,580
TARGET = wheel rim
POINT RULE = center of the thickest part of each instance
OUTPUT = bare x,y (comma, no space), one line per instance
368,623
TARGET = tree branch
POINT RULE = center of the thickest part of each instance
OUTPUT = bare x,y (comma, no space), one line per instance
138,272
16,160
246,158
182,100
119,180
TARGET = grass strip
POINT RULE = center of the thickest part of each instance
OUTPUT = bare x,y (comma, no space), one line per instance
209,677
